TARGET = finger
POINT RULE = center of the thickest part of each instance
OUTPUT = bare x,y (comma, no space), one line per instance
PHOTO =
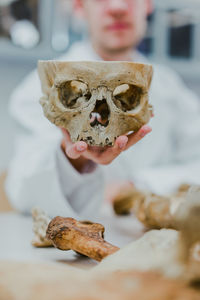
121,142
137,136
74,151
111,153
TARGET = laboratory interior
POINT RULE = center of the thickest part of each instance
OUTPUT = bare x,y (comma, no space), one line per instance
139,178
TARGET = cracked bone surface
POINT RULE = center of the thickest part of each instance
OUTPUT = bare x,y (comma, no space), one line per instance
96,101
85,237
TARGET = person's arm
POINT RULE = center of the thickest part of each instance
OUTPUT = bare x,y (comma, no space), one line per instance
184,166
40,175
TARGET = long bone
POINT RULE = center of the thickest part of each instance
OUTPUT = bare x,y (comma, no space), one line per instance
181,212
86,238
174,254
152,210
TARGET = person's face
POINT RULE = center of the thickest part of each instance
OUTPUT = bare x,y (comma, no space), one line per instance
115,24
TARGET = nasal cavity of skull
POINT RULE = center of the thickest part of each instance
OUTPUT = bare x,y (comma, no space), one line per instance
127,97
100,115
73,93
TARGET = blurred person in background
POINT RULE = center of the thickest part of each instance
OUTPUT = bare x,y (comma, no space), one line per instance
62,178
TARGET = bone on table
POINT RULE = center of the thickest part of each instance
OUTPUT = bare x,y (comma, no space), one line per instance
152,210
86,238
40,224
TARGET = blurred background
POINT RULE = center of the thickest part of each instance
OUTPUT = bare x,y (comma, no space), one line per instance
44,29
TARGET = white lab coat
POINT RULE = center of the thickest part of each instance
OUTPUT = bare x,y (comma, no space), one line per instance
40,174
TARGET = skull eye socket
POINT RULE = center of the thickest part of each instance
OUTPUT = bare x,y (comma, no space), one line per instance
127,97
73,93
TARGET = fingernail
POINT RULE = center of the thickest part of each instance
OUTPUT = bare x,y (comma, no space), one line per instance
80,148
145,131
122,145
142,134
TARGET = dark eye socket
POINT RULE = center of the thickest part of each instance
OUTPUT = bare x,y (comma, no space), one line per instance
87,95
127,97
69,93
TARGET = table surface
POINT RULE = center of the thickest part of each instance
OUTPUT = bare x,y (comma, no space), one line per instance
16,235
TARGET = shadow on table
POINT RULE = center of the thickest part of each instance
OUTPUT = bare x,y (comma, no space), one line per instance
79,261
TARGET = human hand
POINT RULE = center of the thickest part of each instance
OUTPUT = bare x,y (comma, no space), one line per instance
100,155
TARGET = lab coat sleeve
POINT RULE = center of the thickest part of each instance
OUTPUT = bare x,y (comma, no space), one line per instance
184,166
35,176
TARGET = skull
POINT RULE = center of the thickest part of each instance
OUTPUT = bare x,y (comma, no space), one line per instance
96,101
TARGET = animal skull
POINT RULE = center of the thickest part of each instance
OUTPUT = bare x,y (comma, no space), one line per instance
96,101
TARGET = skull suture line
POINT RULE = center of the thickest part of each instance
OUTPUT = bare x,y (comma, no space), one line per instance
96,101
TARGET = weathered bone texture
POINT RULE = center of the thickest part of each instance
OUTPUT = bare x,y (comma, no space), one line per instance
86,238
187,220
40,224
157,251
96,101
125,199
171,253
152,210
25,281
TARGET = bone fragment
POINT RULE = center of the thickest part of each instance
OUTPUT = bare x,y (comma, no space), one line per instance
123,202
152,210
171,253
174,254
40,224
86,238
187,220
121,89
